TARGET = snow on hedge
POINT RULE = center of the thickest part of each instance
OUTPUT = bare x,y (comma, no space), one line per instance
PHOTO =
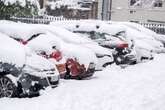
21,2
71,4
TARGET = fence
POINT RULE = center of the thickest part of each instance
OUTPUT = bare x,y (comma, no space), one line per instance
158,28
38,20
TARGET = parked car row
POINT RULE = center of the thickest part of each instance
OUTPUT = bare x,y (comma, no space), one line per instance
35,56
130,44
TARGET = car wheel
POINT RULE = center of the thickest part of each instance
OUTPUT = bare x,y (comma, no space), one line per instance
7,87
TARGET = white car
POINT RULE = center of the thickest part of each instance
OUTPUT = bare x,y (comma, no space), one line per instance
23,73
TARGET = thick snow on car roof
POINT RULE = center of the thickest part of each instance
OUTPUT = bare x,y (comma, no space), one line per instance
89,25
82,54
48,41
133,33
73,38
64,34
11,51
145,30
19,30
139,28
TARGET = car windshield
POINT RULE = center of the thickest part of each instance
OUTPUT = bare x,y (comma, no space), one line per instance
92,34
34,36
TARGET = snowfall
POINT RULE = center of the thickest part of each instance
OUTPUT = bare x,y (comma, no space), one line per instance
138,87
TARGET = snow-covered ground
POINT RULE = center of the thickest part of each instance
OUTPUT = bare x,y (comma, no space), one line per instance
138,87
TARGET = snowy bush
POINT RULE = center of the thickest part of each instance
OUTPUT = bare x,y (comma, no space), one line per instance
18,8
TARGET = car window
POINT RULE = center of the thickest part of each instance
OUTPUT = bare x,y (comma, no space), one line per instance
92,34
34,36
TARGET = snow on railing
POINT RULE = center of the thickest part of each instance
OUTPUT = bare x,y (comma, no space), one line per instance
158,28
38,19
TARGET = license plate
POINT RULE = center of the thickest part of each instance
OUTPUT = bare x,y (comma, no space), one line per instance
54,78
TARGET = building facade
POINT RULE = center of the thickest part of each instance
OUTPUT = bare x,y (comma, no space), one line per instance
132,10
82,9
104,9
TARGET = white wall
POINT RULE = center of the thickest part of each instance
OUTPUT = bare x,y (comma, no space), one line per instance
121,12
99,9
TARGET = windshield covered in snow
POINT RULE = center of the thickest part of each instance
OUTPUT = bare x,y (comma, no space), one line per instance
92,34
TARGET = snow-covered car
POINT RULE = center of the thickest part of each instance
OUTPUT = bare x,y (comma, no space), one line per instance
26,34
47,45
78,65
146,31
105,35
23,73
104,55
136,33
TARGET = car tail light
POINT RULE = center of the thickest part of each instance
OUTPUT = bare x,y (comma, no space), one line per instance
56,55
123,45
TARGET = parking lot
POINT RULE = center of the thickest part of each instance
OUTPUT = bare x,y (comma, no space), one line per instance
138,87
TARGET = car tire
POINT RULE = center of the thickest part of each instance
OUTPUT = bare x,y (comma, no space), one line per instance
116,60
7,87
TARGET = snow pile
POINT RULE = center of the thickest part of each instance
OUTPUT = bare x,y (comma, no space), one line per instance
139,87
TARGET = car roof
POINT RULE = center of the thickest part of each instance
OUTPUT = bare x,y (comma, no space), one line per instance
11,51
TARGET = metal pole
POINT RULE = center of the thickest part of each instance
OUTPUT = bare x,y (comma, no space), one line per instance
110,11
102,11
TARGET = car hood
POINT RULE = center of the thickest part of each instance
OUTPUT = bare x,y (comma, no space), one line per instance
39,63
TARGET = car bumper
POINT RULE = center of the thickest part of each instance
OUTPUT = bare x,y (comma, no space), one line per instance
130,59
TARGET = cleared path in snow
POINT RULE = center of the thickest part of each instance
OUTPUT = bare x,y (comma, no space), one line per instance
138,87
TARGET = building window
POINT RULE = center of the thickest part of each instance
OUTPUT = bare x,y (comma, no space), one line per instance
135,3
132,2
132,11
158,3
